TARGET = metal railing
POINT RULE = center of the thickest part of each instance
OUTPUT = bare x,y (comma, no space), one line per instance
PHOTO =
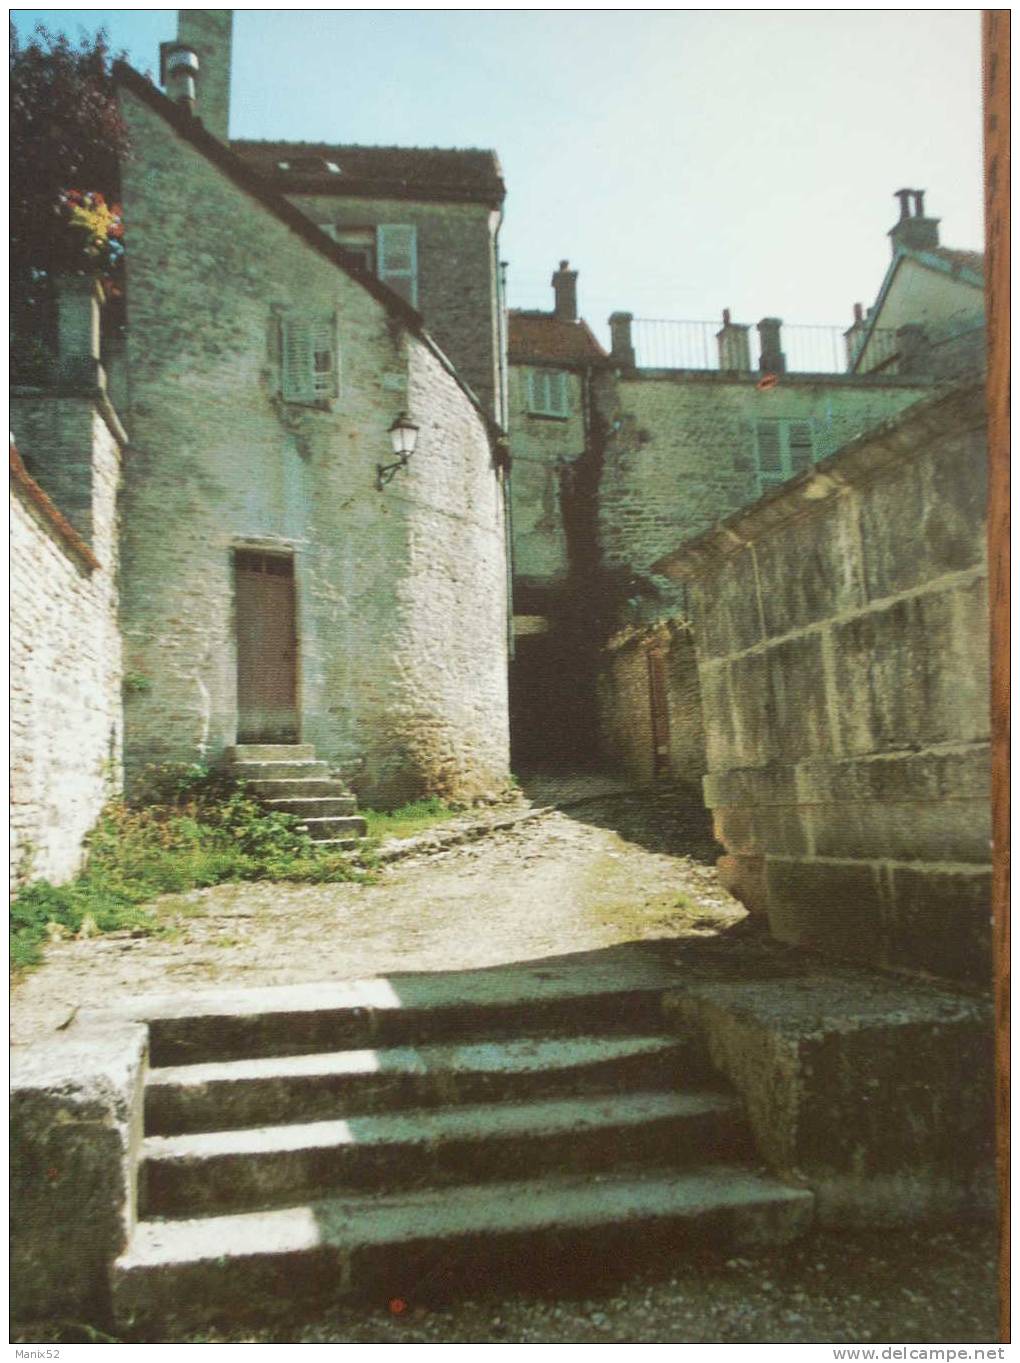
665,343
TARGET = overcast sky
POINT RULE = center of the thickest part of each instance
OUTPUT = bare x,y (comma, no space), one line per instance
683,161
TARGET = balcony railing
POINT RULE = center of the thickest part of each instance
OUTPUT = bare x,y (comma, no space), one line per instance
663,343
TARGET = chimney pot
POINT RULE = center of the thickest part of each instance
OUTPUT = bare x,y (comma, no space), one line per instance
917,232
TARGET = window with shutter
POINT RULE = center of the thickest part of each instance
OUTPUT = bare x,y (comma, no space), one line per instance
308,359
801,445
782,448
397,259
547,392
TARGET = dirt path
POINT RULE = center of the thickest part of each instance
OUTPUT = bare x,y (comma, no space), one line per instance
625,867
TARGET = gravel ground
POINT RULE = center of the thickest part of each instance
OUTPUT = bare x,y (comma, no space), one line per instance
618,867
622,868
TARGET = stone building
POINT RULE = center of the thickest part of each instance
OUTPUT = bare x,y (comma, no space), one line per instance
929,315
553,357
278,582
424,221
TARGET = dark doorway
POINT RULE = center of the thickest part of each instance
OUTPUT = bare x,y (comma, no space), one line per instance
266,648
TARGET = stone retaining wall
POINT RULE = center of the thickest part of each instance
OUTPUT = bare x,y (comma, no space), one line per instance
842,639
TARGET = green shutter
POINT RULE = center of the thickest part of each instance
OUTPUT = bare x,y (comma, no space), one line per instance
308,359
398,259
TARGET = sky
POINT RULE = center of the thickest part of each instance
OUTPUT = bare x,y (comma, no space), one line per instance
683,161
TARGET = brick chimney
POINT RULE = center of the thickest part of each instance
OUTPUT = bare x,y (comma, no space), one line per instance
564,283
195,70
914,230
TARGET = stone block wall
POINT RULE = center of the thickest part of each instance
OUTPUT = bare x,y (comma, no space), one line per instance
680,453
65,643
626,733
842,640
401,592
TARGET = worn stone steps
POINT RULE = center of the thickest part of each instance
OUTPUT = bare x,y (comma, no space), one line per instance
408,1010
303,790
327,828
306,1088
433,1242
289,779
270,752
276,770
271,1165
431,1133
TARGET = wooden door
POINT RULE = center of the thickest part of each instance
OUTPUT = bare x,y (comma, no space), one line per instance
266,648
658,705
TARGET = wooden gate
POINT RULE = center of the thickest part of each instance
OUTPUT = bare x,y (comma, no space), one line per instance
266,648
658,706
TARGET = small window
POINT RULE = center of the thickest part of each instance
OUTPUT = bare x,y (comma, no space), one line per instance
397,259
359,244
308,359
547,392
782,448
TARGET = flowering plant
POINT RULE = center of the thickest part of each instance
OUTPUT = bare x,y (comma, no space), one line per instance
97,229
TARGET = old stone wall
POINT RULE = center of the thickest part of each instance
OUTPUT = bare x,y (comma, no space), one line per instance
543,448
457,281
626,732
65,645
401,598
680,452
842,640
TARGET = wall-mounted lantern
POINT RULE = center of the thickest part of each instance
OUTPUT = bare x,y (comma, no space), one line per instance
403,437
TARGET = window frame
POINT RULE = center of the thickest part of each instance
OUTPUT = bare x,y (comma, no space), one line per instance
539,396
789,464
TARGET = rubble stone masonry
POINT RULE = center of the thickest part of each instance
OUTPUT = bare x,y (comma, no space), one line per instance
401,592
680,454
65,645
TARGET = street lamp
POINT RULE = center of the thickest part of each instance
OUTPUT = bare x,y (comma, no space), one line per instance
403,437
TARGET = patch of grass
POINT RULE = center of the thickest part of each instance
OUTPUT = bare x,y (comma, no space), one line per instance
408,819
198,831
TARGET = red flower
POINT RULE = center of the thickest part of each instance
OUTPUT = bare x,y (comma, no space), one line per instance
397,1306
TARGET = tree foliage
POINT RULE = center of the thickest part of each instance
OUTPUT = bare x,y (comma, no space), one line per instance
67,138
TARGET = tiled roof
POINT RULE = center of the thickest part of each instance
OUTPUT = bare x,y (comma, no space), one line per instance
965,260
536,336
402,172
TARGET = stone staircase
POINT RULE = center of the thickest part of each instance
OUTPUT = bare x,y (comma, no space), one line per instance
419,1136
286,777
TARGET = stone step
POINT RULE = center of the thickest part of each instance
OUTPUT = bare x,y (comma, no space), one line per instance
270,752
279,771
337,844
432,1244
580,997
299,788
334,826
307,1088
259,1167
318,807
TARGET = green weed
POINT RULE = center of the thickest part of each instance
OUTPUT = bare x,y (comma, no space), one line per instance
407,819
198,831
